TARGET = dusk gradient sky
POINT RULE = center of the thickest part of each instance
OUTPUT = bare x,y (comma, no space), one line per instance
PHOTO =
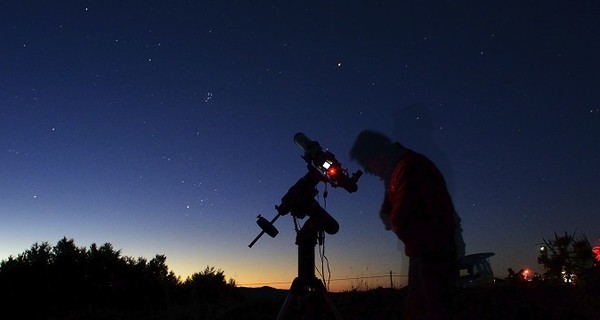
166,127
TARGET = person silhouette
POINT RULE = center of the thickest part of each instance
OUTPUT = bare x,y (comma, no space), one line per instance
418,208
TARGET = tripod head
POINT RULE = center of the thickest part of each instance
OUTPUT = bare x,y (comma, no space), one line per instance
300,201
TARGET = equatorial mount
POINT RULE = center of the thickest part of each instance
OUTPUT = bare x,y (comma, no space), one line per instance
300,202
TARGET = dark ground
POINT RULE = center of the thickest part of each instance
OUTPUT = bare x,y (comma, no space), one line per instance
497,302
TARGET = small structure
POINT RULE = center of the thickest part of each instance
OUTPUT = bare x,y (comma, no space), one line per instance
475,270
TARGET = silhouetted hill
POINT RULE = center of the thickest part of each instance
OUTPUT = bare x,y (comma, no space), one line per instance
262,293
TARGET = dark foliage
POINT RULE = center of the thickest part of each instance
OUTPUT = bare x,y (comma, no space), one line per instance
567,259
67,282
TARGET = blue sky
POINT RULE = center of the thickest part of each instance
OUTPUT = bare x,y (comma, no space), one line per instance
166,128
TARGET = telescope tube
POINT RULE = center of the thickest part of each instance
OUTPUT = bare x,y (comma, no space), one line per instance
310,147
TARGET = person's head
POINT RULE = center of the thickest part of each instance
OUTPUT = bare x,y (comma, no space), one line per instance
375,152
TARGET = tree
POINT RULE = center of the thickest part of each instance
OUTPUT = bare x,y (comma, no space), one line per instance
209,280
209,284
67,273
40,255
208,292
159,271
566,257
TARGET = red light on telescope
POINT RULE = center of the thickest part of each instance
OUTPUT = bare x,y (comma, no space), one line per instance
331,171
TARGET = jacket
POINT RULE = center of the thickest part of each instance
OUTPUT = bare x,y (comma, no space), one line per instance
419,208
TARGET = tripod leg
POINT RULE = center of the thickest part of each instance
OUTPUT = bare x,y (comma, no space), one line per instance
328,303
295,290
308,301
285,309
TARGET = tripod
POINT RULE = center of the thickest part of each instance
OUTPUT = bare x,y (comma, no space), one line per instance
308,297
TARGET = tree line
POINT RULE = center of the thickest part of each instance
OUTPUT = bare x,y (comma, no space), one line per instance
69,282
64,281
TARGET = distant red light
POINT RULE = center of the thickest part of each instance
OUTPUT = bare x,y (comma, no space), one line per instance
526,274
596,251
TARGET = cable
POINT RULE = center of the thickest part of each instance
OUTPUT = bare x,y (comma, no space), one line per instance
324,262
322,256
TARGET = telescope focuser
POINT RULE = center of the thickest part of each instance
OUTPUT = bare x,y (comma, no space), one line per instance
326,164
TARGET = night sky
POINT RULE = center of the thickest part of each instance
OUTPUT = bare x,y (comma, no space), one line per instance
166,127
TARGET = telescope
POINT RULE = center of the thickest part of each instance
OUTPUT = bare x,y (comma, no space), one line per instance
299,202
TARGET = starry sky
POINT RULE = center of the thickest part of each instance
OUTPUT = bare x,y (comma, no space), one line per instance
166,127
